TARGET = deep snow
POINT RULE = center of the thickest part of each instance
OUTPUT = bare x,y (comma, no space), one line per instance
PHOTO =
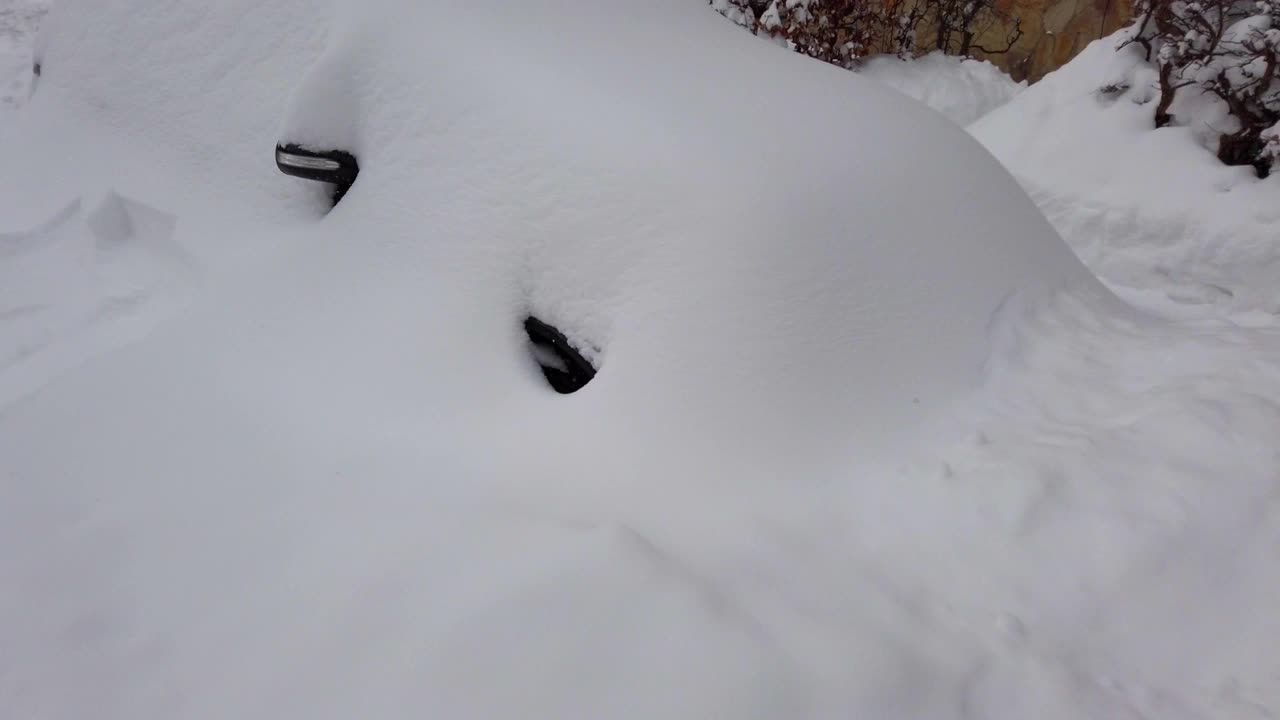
962,90
18,22
867,439
1153,212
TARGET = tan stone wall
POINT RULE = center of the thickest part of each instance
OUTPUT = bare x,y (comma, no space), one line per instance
1054,31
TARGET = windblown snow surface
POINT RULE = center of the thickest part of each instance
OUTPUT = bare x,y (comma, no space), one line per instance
867,439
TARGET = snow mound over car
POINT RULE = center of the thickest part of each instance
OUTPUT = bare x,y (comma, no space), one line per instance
635,206
1152,211
336,484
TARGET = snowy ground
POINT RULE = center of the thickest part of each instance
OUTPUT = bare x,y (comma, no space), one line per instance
1153,213
1177,234
256,463
19,20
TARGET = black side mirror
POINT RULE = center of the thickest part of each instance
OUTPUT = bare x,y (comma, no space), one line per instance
334,167
565,369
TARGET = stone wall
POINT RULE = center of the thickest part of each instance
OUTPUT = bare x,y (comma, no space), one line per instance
1053,32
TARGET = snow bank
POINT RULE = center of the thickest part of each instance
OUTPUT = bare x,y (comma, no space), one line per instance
1149,210
335,484
961,89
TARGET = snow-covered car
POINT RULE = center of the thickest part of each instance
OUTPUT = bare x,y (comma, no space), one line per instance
604,192
276,457
775,271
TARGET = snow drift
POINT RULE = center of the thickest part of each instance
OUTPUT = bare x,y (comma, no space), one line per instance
1152,211
331,482
963,90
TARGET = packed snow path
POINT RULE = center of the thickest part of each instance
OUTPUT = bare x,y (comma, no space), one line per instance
889,456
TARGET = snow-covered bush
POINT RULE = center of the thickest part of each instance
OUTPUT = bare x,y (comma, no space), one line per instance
1228,50
835,31
742,12
842,32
